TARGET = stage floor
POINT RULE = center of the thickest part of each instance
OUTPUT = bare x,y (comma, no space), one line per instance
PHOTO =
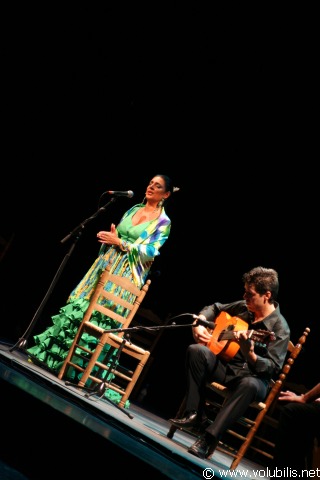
41,407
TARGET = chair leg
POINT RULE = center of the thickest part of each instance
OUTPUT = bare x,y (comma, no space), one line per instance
93,359
134,378
246,444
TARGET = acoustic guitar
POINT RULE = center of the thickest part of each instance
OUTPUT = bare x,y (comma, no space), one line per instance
222,342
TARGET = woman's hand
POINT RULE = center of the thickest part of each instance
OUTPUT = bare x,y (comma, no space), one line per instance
110,238
291,397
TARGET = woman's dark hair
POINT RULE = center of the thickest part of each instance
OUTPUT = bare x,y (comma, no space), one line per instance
168,182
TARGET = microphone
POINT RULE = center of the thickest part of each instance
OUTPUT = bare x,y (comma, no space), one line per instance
128,194
205,323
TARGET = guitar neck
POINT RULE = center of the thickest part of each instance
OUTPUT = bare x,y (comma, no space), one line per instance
255,335
228,334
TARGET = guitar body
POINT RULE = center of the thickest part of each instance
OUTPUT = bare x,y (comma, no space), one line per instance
220,344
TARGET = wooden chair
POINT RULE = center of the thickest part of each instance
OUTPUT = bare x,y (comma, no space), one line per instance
248,425
111,359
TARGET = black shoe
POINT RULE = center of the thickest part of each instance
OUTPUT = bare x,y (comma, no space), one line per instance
203,447
190,420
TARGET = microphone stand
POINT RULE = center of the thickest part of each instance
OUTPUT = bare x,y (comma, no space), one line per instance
75,234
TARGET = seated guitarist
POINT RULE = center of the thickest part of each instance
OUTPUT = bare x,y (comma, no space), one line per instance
247,370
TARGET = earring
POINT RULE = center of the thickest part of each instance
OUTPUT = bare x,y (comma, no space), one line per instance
160,204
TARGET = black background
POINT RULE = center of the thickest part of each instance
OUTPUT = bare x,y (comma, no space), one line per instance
101,99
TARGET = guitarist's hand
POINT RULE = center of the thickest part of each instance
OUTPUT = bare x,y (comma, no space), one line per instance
246,345
201,334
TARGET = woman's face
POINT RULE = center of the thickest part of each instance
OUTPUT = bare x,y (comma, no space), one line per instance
156,190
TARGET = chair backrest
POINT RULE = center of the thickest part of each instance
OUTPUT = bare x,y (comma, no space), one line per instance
116,297
294,351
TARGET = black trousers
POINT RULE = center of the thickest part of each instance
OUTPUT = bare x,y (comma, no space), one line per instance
299,424
203,366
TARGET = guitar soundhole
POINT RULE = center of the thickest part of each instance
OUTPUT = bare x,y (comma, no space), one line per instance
230,328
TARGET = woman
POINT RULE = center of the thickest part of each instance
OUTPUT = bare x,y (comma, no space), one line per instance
131,247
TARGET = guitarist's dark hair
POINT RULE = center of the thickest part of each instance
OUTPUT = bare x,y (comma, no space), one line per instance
264,280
